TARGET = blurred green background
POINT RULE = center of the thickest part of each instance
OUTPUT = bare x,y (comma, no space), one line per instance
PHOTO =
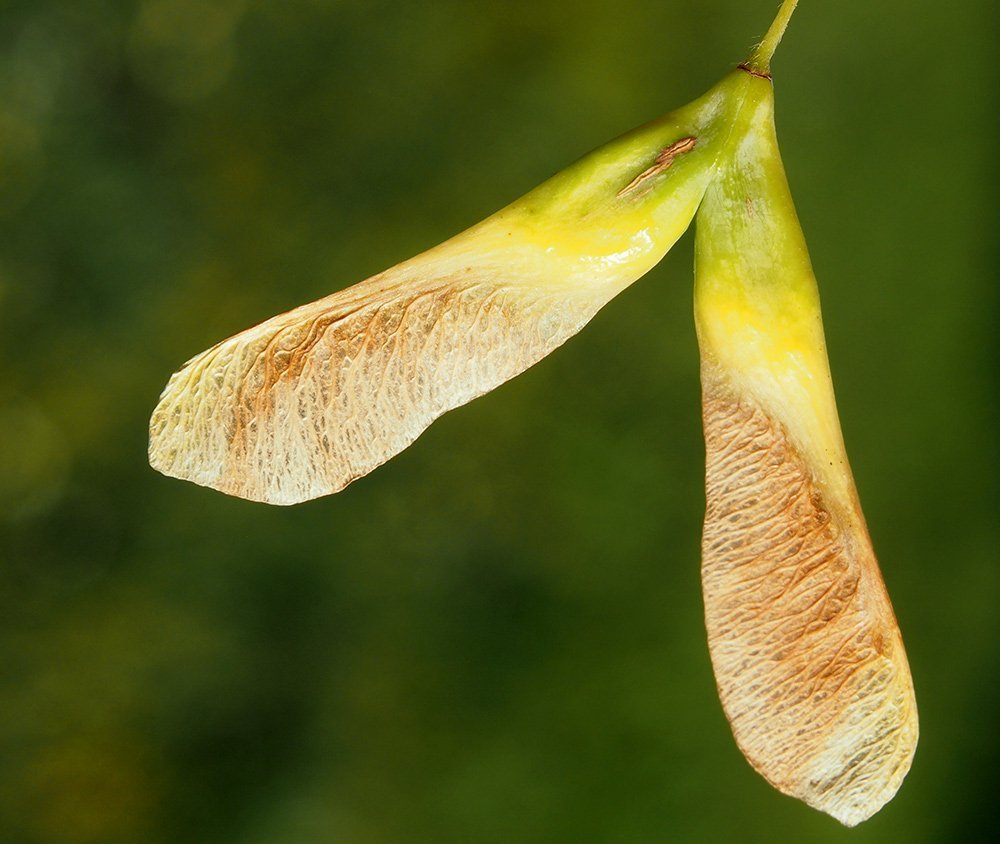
497,637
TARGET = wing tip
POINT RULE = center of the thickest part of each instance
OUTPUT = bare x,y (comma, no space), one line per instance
170,454
257,495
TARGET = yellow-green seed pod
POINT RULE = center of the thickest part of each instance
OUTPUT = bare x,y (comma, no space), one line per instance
806,650
302,404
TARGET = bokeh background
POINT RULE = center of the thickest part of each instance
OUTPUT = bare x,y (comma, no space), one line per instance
497,637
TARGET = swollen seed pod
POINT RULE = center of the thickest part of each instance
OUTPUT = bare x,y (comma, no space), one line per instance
304,403
806,650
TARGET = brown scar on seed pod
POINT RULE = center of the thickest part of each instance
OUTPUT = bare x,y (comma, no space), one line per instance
662,163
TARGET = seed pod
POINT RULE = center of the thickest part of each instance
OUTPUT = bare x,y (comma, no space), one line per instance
806,650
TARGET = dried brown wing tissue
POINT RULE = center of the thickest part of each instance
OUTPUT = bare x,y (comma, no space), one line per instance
306,402
807,654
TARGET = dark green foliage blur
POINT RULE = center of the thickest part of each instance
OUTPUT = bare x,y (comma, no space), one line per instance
497,637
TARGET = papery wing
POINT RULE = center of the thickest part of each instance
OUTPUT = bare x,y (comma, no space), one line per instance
304,403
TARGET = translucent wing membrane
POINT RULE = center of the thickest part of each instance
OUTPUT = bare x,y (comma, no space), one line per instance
306,402
806,650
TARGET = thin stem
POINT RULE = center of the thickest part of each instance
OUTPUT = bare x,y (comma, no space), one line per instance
760,59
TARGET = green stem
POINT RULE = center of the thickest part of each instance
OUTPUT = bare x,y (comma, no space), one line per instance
760,59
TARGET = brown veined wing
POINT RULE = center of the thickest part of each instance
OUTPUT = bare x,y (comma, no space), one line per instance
306,402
